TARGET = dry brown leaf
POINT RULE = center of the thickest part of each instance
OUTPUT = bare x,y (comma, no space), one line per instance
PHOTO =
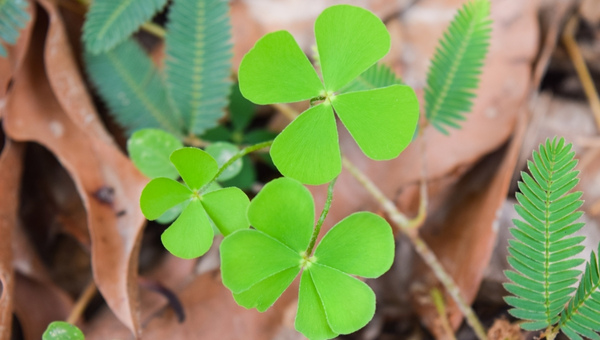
211,313
58,114
463,235
10,65
11,162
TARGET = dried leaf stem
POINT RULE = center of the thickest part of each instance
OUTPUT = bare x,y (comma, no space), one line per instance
568,39
82,302
410,229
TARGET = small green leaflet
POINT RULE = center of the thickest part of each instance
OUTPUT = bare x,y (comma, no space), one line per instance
259,264
191,234
110,22
456,66
60,330
133,88
13,17
150,149
198,61
382,121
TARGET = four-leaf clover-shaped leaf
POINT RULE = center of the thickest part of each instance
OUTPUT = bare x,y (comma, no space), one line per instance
349,40
191,234
259,264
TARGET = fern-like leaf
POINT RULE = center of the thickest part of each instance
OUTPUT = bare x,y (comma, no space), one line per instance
198,61
456,66
582,316
376,76
109,22
542,253
132,88
13,17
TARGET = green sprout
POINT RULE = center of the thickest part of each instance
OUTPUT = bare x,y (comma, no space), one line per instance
259,264
60,330
349,41
191,234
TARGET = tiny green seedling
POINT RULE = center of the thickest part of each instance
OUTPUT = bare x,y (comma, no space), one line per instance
192,233
60,330
349,41
259,264
543,251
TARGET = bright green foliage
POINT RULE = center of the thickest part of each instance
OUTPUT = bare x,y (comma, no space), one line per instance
456,66
582,316
132,88
378,75
110,22
191,234
259,264
349,41
543,251
198,61
13,17
241,112
60,330
222,152
150,149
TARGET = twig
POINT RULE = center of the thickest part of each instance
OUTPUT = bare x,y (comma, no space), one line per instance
82,302
407,227
574,52
438,301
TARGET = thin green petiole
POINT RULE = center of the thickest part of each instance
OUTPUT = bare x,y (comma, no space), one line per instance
317,230
241,154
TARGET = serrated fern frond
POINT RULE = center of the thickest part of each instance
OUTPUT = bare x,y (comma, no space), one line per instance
456,65
543,249
582,316
198,61
376,76
13,17
129,83
109,22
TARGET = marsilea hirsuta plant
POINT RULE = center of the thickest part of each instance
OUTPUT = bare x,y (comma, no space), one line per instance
260,262
543,251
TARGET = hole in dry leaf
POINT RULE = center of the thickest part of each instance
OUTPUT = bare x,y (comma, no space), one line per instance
1,290
55,219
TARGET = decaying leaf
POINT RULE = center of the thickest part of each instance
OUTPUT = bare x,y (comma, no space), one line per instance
49,105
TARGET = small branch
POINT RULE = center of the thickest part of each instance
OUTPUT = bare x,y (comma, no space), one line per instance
82,303
574,52
438,301
286,110
324,213
194,141
387,205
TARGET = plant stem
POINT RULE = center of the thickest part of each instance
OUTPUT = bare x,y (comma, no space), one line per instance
241,154
582,70
438,301
82,303
324,213
409,228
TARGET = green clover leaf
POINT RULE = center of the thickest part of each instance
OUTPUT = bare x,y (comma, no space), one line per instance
259,264
349,40
150,149
191,234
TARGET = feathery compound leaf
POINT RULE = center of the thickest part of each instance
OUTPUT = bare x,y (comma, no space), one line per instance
582,314
198,61
378,75
456,66
543,249
109,22
132,88
13,17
